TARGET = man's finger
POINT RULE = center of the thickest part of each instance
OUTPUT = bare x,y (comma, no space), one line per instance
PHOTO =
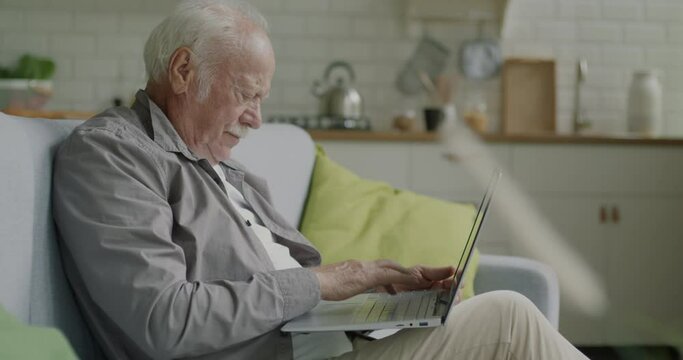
388,264
394,276
390,289
436,273
446,284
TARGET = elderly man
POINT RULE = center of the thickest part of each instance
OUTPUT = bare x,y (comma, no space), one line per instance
174,251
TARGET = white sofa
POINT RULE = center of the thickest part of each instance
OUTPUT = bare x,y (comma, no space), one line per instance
33,285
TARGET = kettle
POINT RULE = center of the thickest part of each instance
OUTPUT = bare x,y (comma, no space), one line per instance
338,99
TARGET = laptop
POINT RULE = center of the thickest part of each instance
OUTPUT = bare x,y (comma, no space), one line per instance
411,309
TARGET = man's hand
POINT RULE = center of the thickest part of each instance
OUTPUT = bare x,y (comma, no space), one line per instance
343,280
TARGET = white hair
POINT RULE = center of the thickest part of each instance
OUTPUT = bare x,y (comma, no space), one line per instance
212,29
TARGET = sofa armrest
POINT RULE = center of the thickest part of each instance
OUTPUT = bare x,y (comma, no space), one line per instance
533,279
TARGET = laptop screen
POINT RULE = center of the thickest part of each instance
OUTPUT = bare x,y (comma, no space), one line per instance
467,252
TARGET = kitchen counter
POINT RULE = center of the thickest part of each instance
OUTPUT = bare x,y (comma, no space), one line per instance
378,136
50,114
394,136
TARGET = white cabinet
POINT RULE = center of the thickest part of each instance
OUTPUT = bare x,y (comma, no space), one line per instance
372,160
562,168
423,168
433,174
633,245
645,270
578,220
620,207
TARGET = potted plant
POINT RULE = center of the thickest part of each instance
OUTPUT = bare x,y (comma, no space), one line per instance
28,84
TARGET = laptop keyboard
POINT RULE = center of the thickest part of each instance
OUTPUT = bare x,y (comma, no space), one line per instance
403,306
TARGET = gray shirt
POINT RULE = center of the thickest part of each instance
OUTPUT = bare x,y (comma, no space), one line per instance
162,265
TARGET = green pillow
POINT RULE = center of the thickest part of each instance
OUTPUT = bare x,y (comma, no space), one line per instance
347,217
18,341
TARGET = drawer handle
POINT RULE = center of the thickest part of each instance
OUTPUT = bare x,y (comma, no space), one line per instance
616,215
603,215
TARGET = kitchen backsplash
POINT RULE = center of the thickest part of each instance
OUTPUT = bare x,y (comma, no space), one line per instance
98,48
616,37
97,45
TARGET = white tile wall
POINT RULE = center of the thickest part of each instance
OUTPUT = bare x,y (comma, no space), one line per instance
644,33
20,42
664,10
51,20
602,31
616,37
98,48
11,19
622,10
97,45
76,45
92,22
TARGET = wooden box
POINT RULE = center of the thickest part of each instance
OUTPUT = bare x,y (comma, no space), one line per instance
529,99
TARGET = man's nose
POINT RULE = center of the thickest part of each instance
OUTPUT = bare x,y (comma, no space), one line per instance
252,116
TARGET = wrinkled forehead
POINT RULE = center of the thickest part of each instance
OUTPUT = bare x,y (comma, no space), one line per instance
251,76
255,65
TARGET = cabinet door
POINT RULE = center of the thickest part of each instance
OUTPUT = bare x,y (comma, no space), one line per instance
577,219
646,269
375,161
433,174
568,169
651,170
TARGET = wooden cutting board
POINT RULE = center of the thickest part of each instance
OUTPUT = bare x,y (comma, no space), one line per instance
529,98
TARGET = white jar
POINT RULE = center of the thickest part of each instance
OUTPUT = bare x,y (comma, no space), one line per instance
645,104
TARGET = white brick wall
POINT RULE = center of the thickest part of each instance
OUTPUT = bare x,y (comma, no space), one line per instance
92,22
51,20
616,37
21,42
11,19
622,10
558,30
598,31
72,44
664,10
644,33
623,55
585,9
97,45
88,69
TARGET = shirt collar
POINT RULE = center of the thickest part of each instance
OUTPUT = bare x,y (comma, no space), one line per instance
163,132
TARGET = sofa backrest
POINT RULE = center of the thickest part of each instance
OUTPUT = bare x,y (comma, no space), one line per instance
284,155
34,287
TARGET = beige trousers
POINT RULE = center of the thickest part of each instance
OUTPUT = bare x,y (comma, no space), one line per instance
495,325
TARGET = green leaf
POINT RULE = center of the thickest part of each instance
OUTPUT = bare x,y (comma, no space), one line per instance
5,73
33,67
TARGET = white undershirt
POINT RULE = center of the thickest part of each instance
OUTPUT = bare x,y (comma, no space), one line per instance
306,346
278,254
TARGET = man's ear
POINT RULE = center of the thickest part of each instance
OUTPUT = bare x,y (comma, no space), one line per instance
181,70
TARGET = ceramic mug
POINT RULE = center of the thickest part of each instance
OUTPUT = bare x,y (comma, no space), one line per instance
433,118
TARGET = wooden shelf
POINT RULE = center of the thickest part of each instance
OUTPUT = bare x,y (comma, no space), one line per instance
389,136
352,135
358,135
581,139
47,114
